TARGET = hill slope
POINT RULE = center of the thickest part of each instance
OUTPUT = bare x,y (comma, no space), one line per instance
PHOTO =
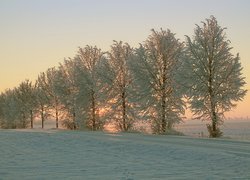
52,154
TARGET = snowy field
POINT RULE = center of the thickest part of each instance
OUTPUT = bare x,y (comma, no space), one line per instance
233,129
59,154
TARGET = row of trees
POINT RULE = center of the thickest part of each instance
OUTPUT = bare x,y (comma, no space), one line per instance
154,82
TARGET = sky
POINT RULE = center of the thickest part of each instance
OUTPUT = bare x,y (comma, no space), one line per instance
38,34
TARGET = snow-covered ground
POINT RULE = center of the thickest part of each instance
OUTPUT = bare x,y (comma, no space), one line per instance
60,154
234,129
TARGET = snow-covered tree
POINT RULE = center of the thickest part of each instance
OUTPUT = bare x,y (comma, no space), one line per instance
68,90
88,66
17,106
48,83
1,108
118,77
10,110
26,97
212,74
155,72
42,100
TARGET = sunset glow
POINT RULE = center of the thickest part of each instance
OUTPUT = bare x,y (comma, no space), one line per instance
37,35
111,128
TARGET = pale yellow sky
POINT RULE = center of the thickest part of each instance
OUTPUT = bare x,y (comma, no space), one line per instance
37,35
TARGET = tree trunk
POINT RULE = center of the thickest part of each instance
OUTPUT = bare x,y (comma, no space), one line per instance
214,122
24,119
57,118
213,131
163,97
57,112
42,116
93,110
163,115
74,120
42,120
31,119
124,124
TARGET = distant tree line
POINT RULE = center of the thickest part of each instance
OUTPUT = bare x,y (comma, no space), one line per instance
154,83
